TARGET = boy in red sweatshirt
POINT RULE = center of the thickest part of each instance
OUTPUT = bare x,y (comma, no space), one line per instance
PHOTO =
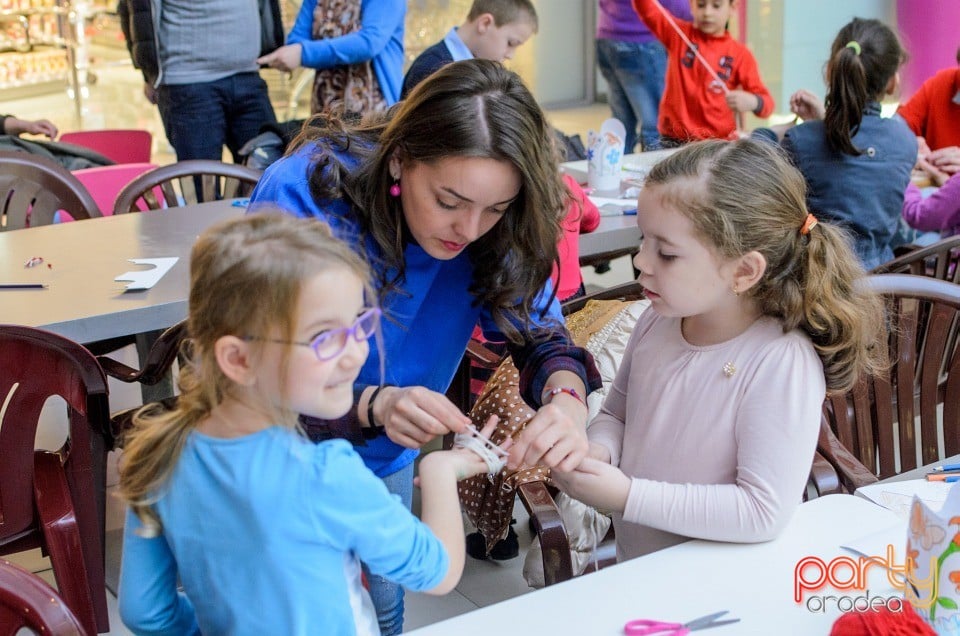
695,105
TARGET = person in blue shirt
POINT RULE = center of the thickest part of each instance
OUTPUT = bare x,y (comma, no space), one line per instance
455,197
263,528
356,48
856,163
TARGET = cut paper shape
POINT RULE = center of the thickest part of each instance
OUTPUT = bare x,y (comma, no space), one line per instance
147,278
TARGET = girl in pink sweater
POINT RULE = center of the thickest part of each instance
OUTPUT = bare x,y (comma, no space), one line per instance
709,428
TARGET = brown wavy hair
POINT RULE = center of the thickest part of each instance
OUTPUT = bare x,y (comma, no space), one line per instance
746,196
473,108
245,278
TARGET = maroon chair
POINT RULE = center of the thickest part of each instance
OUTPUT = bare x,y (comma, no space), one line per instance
55,501
33,189
26,601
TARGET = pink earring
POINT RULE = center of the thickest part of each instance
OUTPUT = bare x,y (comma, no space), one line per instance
395,189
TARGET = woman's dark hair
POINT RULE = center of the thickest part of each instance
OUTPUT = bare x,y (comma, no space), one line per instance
474,108
864,56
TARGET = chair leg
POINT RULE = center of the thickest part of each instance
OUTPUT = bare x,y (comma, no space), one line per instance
62,537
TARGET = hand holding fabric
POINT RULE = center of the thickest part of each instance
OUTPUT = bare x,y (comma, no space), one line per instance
556,437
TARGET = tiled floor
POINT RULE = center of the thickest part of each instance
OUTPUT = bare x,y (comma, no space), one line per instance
116,101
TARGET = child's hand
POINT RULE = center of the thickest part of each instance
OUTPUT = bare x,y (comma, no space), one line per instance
742,101
596,484
939,177
806,105
599,452
464,462
946,159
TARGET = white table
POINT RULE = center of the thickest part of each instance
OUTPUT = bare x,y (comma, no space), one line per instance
82,301
754,582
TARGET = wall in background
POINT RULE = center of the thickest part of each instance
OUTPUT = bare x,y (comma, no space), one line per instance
791,39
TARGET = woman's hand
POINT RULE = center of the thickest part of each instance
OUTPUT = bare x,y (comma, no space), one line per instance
287,58
806,105
596,484
412,416
556,436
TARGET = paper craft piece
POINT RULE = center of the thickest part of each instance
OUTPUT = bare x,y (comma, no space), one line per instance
605,156
898,495
147,278
933,562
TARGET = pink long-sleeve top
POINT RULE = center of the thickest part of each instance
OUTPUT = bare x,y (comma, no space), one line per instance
718,440
939,212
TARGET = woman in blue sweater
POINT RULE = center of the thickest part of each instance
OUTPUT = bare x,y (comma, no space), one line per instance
456,200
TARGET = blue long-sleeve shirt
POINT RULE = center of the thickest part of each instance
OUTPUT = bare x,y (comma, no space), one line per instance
266,532
428,322
379,39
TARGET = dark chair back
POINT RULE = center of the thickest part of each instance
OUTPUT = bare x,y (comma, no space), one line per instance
33,189
186,183
26,601
56,501
938,260
897,421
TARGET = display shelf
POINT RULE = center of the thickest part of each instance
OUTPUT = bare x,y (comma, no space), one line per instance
33,46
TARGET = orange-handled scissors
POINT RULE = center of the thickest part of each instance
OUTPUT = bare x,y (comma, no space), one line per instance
643,626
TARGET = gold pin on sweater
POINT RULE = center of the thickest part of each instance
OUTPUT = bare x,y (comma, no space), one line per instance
729,369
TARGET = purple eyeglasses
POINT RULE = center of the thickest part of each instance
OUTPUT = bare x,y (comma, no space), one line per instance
331,343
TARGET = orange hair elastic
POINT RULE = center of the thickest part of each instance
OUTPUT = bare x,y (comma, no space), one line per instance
809,223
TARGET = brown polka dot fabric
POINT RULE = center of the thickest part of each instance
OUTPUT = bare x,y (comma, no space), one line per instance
489,503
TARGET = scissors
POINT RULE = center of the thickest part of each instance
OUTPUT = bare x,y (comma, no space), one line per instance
643,626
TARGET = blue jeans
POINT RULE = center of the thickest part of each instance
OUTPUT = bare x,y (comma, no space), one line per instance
387,596
200,118
634,73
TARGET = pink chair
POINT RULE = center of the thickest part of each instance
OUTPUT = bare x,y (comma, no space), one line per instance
121,145
105,182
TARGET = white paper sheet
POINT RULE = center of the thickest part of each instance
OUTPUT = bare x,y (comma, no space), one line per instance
147,278
898,495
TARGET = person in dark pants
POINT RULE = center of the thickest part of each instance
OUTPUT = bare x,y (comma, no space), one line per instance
208,96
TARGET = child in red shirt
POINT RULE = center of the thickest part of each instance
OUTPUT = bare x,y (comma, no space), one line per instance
694,104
